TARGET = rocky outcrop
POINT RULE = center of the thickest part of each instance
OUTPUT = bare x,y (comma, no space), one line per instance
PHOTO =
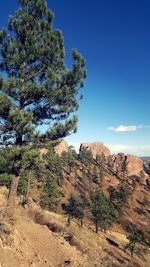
134,165
61,147
127,164
96,148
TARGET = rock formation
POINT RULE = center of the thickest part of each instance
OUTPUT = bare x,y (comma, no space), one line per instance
96,148
62,146
129,164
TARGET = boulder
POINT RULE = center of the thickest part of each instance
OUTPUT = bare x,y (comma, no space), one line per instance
96,148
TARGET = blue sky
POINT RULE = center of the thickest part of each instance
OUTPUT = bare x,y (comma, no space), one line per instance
114,37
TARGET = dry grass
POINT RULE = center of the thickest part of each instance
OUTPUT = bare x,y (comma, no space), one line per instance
94,248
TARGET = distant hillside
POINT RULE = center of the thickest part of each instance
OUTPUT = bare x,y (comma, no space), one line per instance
145,158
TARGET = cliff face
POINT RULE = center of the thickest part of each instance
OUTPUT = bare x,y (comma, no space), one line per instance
96,148
132,165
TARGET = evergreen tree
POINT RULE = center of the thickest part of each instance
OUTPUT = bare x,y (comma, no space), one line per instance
38,88
70,209
32,167
49,193
112,194
136,237
100,210
75,209
110,163
69,159
54,165
85,156
100,161
123,195
80,209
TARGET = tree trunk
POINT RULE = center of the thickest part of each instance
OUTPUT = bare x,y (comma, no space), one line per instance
81,222
69,219
96,225
11,197
28,190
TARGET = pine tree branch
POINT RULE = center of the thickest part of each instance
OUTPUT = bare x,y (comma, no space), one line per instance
34,74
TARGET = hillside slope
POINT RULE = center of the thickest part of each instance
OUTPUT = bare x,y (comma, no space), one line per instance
44,239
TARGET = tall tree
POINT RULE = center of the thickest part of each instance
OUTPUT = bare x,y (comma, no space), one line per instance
71,208
75,209
69,158
85,156
100,161
50,193
38,88
101,210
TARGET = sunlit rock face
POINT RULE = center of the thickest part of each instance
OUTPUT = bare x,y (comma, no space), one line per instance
131,164
61,147
96,148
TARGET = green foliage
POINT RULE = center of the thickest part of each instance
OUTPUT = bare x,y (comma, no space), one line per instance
117,200
136,237
69,159
112,194
39,88
10,159
5,179
50,193
101,210
54,165
123,195
52,177
85,156
31,171
75,209
100,161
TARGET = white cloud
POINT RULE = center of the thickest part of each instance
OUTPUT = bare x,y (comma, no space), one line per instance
128,128
143,150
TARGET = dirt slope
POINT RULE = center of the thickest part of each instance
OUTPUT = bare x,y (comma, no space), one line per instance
35,245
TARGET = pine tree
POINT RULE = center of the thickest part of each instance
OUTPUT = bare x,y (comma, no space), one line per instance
123,194
54,165
100,210
136,237
100,161
112,194
75,209
85,156
32,167
80,209
49,193
38,88
70,208
69,159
